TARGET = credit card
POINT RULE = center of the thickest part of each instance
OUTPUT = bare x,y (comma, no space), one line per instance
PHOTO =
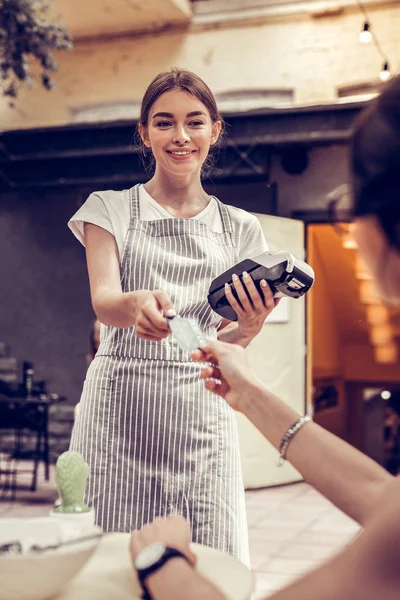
186,332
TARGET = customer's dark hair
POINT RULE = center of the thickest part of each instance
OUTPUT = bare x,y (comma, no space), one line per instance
375,161
180,79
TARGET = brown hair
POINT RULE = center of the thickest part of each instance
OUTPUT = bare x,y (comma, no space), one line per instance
180,79
375,161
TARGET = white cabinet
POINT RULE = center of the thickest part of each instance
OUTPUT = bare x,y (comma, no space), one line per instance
277,356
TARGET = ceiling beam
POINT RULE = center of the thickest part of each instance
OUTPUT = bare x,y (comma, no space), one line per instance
94,153
225,13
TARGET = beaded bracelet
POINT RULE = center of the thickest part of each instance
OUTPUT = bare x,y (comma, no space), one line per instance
289,435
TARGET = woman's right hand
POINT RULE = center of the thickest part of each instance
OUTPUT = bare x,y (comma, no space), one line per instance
150,309
229,374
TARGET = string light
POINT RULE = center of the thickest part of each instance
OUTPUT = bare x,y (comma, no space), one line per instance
368,293
377,314
381,335
362,271
348,240
367,35
386,354
385,73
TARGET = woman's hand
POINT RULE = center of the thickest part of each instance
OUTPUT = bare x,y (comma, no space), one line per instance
229,375
150,309
173,531
253,307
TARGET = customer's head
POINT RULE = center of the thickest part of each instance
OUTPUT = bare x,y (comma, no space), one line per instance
375,156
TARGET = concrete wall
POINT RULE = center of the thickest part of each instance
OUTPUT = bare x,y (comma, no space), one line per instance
311,56
46,313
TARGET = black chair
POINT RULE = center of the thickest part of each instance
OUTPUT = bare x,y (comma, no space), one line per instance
21,418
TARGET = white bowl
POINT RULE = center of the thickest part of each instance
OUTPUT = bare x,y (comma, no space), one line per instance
30,576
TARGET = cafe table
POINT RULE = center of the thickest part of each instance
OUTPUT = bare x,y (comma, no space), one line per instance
19,413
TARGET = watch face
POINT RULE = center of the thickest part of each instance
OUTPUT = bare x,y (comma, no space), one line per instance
150,555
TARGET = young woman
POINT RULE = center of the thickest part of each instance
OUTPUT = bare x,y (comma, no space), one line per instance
156,440
369,568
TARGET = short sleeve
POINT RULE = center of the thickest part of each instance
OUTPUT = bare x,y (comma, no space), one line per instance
94,210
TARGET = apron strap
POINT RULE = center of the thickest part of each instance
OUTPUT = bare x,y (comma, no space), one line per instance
134,204
225,217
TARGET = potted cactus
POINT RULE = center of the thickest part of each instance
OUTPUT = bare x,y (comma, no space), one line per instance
72,473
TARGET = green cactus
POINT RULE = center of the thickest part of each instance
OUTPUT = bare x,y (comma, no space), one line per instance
71,476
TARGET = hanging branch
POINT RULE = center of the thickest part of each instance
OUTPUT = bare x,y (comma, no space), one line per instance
26,33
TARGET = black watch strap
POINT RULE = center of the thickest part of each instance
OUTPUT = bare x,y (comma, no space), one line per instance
144,573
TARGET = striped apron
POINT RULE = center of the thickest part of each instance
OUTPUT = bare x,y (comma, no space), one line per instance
157,442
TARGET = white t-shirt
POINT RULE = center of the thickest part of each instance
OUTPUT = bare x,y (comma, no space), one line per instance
111,211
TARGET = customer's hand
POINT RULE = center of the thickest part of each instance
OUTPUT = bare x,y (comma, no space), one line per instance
229,375
173,531
253,307
150,309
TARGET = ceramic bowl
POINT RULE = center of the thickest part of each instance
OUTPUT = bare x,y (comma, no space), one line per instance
30,575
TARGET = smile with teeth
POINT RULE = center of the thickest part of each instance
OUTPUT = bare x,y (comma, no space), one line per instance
180,152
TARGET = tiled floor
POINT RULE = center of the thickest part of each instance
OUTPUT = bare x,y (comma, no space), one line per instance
292,528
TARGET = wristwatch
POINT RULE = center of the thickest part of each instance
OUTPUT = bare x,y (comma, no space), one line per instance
150,559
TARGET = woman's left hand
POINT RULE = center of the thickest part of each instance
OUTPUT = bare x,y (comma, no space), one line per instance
253,307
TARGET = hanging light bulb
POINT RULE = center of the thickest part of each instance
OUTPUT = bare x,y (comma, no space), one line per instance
365,34
386,354
381,335
348,241
377,314
385,73
368,293
361,270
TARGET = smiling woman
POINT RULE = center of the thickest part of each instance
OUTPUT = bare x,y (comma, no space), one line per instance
195,113
156,440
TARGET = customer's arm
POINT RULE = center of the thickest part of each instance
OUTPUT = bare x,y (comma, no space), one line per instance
364,571
349,479
177,578
368,569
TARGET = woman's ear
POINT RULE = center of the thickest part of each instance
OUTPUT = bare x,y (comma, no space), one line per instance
216,130
143,132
